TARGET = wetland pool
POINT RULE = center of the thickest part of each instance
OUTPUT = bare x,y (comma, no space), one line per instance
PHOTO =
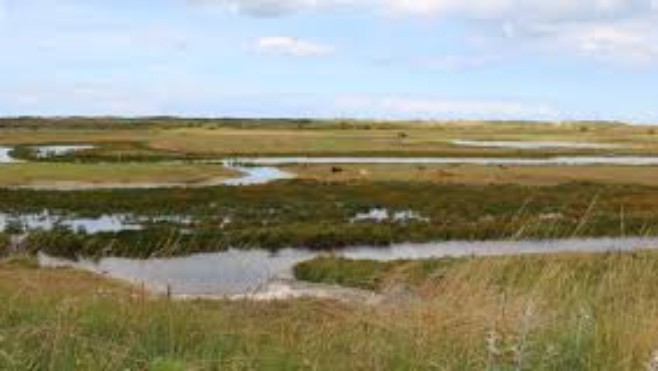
264,274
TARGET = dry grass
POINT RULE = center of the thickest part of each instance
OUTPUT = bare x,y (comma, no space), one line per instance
20,274
569,312
479,175
416,140
135,173
538,312
54,136
419,139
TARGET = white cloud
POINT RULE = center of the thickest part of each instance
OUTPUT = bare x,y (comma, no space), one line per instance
467,108
487,9
455,61
634,43
480,8
285,45
270,8
522,9
623,30
443,108
616,30
84,99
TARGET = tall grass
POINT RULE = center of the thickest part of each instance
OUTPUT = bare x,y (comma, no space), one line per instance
568,312
565,312
5,244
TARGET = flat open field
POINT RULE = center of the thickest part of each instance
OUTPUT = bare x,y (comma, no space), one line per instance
154,141
61,174
208,138
477,175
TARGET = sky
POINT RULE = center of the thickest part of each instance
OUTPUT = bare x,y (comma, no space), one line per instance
383,59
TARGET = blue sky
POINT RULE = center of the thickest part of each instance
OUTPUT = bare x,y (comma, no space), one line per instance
426,59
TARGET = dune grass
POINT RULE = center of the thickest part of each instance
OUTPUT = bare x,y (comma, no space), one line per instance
566,312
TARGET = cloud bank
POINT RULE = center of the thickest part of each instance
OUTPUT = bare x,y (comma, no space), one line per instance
622,30
284,45
431,108
537,10
271,8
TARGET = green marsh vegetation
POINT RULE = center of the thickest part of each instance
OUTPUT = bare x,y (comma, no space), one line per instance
105,153
317,215
5,244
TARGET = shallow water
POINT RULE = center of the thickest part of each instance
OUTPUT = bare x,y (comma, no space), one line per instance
60,150
259,273
5,158
383,215
256,175
533,145
47,221
233,272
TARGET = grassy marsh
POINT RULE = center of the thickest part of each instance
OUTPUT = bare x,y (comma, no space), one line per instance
45,174
559,312
150,138
476,174
317,215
